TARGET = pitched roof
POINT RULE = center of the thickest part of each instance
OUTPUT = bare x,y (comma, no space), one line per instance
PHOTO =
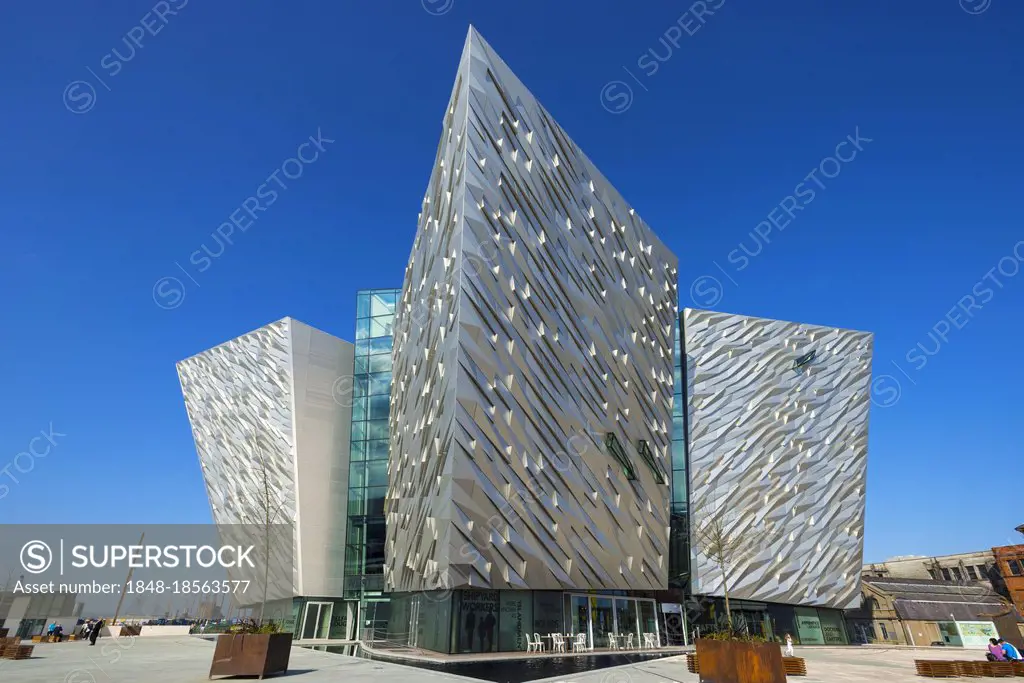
930,600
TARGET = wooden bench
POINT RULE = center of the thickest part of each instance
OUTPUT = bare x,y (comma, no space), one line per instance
1000,669
971,669
16,652
794,666
933,668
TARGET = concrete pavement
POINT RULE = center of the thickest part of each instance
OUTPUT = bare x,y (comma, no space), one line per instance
187,659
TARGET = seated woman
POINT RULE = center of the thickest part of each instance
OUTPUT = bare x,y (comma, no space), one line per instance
995,651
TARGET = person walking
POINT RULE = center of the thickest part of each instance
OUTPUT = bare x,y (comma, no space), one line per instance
95,633
995,651
1009,651
789,645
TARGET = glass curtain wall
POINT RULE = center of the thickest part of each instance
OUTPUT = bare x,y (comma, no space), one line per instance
679,534
368,472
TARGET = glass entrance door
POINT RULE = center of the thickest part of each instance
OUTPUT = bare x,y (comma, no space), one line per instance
578,617
648,620
626,620
600,616
603,619
414,621
316,622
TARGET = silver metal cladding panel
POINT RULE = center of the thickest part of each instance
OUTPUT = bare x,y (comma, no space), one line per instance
323,432
245,395
536,316
777,443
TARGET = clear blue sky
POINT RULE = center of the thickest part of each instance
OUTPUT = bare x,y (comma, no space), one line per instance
99,206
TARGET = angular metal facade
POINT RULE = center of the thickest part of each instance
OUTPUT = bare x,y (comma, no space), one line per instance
777,422
536,318
269,392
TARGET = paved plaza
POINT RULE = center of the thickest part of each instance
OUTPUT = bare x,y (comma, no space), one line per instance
187,660
824,665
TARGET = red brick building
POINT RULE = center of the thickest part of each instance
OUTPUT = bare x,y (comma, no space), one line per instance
1010,562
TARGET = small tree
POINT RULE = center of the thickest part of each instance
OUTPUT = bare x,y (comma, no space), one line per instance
714,537
263,509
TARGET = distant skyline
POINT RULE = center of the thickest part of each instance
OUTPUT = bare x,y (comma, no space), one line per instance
179,179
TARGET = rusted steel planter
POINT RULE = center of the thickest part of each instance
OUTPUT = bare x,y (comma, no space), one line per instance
733,661
260,654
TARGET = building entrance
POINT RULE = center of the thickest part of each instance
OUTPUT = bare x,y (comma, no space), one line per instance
316,623
612,621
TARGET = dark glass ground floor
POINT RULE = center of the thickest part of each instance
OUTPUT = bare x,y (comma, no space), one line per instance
479,621
333,618
475,621
807,625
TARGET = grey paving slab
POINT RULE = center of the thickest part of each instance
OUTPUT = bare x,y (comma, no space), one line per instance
824,665
185,660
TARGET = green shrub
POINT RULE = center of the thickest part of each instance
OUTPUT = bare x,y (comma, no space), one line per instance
740,636
252,627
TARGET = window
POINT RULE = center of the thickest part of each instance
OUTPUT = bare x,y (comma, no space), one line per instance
972,573
611,443
885,633
945,574
805,359
645,453
1016,567
957,576
934,574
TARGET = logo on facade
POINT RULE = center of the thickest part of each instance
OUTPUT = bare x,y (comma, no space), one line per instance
804,360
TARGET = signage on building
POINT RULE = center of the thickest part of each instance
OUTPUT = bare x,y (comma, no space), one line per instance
976,633
808,626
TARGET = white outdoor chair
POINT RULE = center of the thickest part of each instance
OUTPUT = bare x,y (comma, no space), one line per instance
559,641
650,640
531,646
629,641
538,642
580,644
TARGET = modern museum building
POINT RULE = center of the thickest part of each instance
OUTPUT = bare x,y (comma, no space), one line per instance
529,436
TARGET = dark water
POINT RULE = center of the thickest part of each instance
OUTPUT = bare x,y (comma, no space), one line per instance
515,670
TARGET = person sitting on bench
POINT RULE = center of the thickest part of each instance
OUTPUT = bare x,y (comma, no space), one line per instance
995,651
